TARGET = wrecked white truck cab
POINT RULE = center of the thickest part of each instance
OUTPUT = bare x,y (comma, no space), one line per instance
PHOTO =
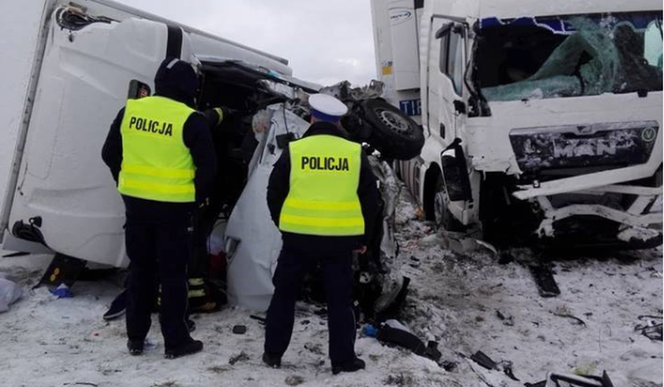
543,119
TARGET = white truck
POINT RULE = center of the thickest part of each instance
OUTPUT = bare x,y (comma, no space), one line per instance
67,69
542,119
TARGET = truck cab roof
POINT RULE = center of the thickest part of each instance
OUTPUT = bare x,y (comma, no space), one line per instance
509,9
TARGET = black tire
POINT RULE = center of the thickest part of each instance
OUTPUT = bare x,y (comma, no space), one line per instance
442,215
395,135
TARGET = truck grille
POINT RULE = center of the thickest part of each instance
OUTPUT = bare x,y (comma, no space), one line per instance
584,147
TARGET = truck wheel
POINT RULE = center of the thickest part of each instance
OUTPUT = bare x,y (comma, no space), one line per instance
442,215
394,134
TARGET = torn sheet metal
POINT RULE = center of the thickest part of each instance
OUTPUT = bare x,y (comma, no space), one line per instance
391,278
634,226
253,242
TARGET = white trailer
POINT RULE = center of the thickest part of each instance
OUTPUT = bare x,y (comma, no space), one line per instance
67,70
541,118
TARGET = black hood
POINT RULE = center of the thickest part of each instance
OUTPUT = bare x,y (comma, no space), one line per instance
329,128
176,79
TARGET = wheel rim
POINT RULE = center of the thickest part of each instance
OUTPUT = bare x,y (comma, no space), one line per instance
394,121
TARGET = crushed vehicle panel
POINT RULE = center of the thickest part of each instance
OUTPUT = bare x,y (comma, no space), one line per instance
551,106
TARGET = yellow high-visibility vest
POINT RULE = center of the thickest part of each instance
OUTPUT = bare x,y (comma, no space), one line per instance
156,163
324,177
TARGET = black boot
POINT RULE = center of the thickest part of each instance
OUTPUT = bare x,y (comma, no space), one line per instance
188,348
354,365
272,360
118,307
135,347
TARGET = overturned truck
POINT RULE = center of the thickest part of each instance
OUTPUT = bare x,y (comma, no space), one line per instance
74,68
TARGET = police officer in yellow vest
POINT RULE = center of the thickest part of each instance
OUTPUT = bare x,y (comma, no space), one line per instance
160,152
323,197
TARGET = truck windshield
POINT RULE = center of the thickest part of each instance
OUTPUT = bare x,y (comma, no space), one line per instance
571,56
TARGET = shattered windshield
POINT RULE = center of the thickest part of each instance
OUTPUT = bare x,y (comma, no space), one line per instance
531,58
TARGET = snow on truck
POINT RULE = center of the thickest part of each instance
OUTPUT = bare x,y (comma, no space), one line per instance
67,70
542,119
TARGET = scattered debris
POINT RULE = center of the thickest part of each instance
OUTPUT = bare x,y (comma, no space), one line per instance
508,321
546,284
449,365
393,332
294,380
508,369
487,246
506,366
62,291
315,348
651,327
369,331
567,315
242,356
572,380
218,369
485,361
400,380
462,243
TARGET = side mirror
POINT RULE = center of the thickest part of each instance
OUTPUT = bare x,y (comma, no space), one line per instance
460,107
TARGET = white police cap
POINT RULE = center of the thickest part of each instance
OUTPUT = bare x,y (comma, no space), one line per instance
327,108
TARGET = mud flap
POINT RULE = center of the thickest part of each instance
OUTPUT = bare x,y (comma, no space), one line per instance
62,270
455,173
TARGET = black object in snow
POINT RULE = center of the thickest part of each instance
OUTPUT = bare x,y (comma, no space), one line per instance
483,360
405,339
546,284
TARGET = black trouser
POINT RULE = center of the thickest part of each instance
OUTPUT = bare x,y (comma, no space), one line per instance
338,282
204,221
161,248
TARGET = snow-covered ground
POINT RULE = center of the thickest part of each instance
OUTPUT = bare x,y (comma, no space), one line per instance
466,302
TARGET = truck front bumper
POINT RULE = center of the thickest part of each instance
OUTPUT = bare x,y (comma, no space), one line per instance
638,220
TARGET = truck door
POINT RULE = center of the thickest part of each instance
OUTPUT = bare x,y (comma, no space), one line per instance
446,67
63,189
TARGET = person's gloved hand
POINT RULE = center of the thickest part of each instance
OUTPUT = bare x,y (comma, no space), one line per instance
217,115
224,113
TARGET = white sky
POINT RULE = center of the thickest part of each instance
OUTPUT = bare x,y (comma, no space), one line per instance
325,41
